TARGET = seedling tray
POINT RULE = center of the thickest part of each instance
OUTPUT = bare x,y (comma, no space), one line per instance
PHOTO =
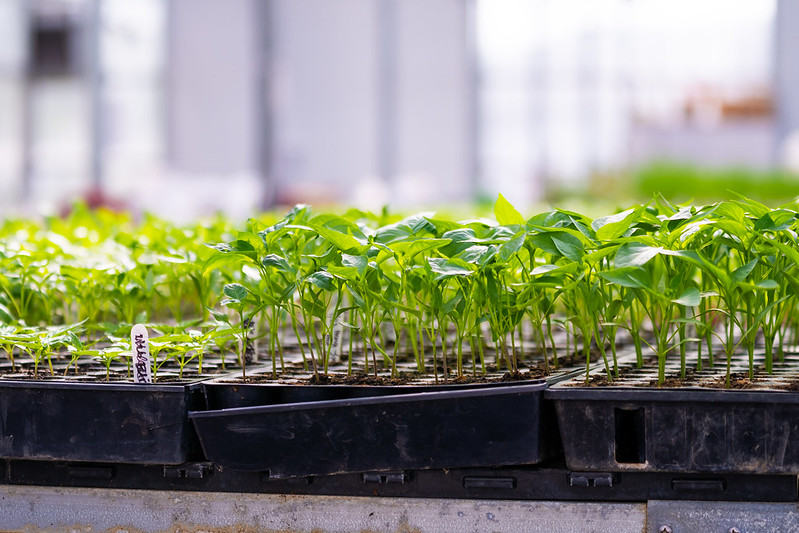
109,422
691,429
477,425
551,481
229,391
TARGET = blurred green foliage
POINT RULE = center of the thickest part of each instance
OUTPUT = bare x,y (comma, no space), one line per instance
683,182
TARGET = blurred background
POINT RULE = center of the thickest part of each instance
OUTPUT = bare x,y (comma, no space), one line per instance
186,107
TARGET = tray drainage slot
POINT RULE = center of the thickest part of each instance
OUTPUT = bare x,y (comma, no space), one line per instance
630,436
698,485
478,482
399,478
189,470
265,477
591,480
90,472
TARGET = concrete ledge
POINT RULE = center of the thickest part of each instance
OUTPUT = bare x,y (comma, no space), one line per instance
724,517
32,509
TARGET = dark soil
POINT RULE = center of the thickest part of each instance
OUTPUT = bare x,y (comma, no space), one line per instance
91,372
114,377
792,386
737,381
575,359
601,380
409,378
357,379
674,381
535,373
597,380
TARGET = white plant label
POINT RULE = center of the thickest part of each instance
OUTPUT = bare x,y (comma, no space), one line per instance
334,339
142,362
338,333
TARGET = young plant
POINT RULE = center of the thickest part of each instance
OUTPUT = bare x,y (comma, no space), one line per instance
246,305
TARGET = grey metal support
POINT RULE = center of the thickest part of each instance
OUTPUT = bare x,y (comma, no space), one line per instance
387,90
786,71
473,144
34,508
94,76
26,129
721,517
264,32
62,509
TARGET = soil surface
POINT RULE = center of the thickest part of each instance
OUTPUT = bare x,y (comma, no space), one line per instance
400,379
785,376
737,381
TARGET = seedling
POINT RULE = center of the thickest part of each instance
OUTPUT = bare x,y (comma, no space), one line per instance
682,280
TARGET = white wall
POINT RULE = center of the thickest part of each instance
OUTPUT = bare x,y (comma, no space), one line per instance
12,60
435,137
213,102
324,99
371,101
786,81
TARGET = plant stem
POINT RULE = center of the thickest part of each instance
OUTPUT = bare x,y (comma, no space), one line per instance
443,332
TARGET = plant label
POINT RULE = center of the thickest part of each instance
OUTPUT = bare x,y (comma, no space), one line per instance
335,342
142,362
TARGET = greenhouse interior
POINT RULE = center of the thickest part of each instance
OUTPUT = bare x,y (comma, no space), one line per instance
399,265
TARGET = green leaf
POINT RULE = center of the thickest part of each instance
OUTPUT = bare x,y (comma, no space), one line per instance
239,246
613,309
505,213
359,262
420,223
558,244
462,235
357,298
730,211
691,297
220,260
597,255
454,305
679,218
634,278
348,273
740,274
436,226
5,315
235,291
614,226
478,254
280,263
635,254
754,207
777,220
342,241
449,267
789,251
314,308
323,280
412,248
59,330
511,247
735,230
543,269
393,233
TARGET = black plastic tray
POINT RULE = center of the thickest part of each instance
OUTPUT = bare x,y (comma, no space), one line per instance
550,482
678,430
109,422
503,424
227,392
